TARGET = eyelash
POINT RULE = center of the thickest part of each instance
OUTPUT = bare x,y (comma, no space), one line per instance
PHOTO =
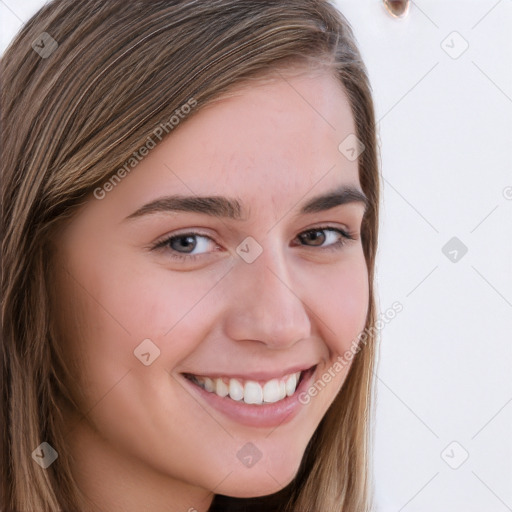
191,257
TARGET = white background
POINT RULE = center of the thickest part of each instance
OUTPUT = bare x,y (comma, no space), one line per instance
445,365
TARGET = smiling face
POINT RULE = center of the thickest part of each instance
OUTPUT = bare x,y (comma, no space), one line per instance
242,291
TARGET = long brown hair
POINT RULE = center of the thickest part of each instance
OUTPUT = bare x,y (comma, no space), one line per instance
84,84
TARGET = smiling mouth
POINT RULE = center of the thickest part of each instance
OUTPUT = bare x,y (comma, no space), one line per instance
251,391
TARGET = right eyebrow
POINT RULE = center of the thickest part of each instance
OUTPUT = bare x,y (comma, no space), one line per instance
216,206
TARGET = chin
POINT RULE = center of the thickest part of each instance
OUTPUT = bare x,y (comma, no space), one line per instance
254,484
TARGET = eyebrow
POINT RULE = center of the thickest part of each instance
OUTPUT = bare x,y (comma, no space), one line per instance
224,207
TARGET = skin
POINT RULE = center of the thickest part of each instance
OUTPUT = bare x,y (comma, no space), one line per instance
272,145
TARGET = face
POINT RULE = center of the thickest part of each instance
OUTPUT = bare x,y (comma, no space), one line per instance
184,300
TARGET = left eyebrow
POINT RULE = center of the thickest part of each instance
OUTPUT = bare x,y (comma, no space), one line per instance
342,195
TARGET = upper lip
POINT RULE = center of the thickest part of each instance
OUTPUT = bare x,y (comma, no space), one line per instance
255,375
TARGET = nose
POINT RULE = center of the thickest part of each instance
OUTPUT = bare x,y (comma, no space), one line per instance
265,303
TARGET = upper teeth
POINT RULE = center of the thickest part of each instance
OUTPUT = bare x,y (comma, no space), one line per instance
250,391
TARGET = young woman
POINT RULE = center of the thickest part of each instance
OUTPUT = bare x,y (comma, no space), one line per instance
190,208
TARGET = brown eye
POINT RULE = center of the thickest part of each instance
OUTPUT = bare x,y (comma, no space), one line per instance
324,237
313,237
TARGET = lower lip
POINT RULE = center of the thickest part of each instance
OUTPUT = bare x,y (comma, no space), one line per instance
252,415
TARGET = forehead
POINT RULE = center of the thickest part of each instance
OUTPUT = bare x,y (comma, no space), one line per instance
271,143
283,130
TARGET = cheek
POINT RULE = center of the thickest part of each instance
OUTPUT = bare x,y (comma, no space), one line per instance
173,309
341,300
342,304
131,302
353,307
